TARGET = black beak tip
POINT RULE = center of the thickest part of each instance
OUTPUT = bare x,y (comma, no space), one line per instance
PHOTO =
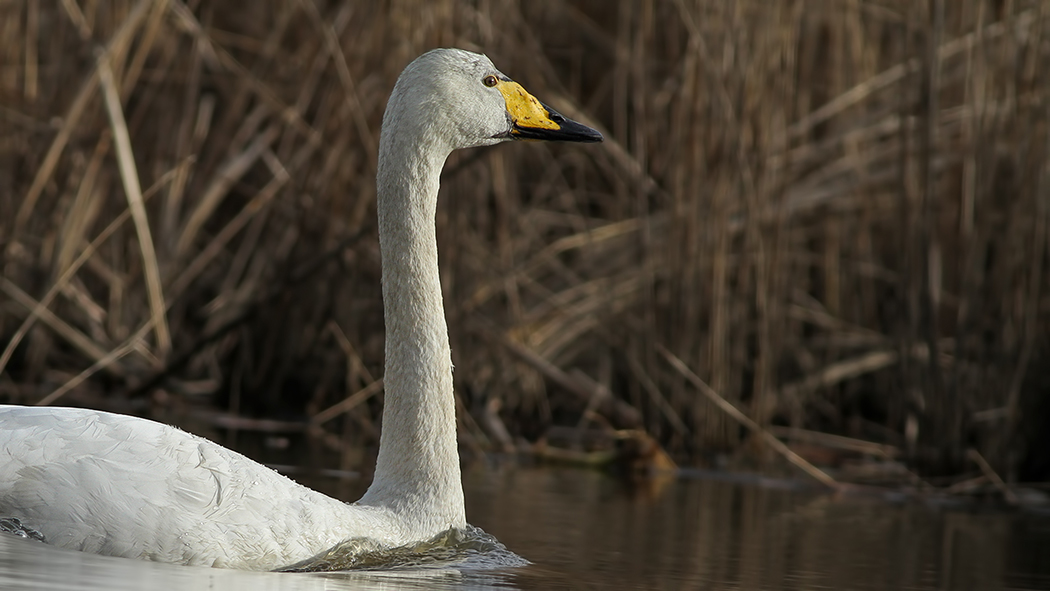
591,135
568,130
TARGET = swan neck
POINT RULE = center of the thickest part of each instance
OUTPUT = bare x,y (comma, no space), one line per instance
417,470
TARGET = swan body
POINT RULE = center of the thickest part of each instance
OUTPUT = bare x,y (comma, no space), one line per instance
125,486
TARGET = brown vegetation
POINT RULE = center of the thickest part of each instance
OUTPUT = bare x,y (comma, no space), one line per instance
833,212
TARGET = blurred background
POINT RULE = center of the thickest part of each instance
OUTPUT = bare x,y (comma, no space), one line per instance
830,214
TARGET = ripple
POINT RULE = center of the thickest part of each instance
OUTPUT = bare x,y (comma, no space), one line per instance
470,547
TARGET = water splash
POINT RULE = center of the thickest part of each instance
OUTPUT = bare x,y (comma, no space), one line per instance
12,525
470,547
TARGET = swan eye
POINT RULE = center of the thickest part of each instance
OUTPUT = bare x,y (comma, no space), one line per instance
489,81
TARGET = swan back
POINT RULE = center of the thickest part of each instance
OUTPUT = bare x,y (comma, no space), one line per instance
124,486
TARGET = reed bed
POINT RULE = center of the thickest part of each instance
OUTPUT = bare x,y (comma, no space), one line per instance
829,216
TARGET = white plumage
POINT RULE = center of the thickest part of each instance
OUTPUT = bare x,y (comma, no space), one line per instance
124,486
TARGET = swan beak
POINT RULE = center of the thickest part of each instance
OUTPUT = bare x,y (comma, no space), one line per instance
533,120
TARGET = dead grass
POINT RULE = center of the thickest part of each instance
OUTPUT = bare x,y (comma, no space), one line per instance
833,212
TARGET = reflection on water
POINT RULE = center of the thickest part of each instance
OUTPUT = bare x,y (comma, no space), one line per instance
28,564
470,548
585,529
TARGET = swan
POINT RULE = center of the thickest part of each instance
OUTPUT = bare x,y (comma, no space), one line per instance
124,486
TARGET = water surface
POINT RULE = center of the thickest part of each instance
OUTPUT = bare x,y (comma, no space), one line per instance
585,529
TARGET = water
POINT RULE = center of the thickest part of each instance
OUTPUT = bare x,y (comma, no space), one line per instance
584,529
470,548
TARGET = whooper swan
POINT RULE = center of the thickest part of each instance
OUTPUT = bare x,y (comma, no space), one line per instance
124,486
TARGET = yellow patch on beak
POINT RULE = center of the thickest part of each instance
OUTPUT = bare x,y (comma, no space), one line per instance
525,110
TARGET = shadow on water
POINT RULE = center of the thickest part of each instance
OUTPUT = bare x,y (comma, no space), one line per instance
583,529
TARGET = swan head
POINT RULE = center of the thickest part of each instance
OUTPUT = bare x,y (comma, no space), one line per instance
460,98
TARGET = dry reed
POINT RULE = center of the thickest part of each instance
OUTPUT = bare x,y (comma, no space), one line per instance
834,212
